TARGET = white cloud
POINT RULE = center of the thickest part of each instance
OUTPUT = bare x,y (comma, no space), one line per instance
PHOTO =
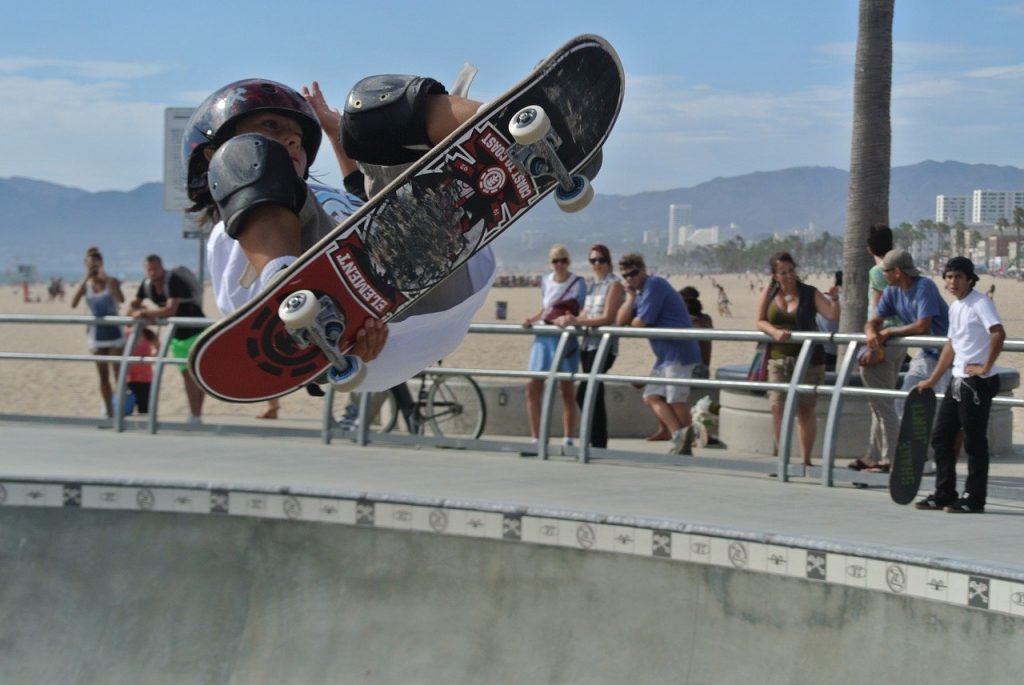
1010,71
1014,9
85,135
91,69
673,133
909,54
80,123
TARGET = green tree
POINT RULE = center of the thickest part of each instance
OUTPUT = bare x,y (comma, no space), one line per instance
1002,224
973,238
960,231
943,251
1018,223
904,234
870,152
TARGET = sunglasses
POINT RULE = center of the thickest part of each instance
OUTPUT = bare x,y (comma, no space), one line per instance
598,260
630,274
560,260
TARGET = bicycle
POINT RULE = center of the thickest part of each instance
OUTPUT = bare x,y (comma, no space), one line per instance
453,407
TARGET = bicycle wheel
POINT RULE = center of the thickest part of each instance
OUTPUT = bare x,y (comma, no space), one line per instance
455,407
386,415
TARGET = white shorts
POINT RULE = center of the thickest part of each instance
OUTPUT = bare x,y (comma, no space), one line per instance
673,394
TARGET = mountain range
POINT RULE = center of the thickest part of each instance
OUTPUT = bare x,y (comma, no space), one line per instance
51,226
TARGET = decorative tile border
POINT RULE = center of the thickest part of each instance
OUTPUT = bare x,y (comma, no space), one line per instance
994,590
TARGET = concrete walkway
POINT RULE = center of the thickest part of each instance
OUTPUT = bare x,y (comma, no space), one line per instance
742,501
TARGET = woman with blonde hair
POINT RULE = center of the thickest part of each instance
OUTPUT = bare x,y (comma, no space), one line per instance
559,289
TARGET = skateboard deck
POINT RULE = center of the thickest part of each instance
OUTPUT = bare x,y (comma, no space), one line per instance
912,446
427,223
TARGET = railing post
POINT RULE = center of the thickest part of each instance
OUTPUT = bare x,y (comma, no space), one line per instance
547,397
363,430
835,409
154,391
327,423
122,379
590,396
789,409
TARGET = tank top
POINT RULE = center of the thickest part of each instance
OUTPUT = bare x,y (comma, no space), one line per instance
593,306
103,304
780,318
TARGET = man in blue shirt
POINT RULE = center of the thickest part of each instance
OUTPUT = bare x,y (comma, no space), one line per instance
652,301
913,298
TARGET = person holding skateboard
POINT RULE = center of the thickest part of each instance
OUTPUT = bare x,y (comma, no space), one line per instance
976,336
914,301
249,148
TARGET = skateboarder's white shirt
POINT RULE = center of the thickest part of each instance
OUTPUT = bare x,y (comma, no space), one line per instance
970,321
414,343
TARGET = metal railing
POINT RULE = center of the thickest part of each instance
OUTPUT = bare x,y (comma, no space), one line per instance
362,436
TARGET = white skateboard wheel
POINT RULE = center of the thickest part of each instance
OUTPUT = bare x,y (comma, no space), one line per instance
578,198
349,379
299,310
529,125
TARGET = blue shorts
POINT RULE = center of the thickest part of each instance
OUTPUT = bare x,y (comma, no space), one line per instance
542,354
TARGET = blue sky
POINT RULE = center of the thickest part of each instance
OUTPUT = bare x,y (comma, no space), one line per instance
717,88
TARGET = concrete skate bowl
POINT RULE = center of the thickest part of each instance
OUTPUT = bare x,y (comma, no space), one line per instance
115,584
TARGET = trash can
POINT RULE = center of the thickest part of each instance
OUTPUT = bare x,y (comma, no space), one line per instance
501,310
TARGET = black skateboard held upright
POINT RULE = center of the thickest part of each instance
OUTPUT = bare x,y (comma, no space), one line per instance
912,446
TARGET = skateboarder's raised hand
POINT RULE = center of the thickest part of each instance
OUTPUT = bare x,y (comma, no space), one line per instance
330,121
370,340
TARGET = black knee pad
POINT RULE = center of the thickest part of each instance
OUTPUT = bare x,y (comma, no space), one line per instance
385,119
251,170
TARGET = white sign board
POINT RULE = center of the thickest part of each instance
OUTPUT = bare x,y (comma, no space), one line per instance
175,196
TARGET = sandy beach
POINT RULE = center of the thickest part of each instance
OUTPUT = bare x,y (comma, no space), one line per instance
71,388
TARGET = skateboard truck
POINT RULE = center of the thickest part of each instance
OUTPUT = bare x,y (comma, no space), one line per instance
312,320
534,153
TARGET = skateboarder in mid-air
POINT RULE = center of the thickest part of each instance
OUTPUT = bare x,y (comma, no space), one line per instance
976,338
249,148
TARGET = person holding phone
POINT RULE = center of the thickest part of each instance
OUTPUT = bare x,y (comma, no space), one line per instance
102,295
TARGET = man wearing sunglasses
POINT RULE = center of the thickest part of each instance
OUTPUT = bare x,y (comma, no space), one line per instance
652,301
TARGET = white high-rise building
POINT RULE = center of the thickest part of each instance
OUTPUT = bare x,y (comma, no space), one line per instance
679,217
991,205
949,209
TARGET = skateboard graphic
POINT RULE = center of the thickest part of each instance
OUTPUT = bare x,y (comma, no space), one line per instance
528,143
911,451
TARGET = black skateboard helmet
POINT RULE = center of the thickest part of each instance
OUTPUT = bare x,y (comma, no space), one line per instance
211,123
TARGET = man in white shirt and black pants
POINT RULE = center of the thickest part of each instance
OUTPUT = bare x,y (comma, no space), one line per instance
976,338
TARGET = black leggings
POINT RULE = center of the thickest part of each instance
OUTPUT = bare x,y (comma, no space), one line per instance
141,392
599,424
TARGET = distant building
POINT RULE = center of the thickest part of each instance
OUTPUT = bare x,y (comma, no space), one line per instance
988,206
652,237
679,218
949,209
703,236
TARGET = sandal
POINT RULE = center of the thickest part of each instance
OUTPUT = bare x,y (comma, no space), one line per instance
879,468
861,465
268,414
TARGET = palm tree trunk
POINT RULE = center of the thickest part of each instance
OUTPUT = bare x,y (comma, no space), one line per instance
868,195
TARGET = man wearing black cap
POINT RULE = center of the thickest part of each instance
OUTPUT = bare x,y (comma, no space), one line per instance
976,338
